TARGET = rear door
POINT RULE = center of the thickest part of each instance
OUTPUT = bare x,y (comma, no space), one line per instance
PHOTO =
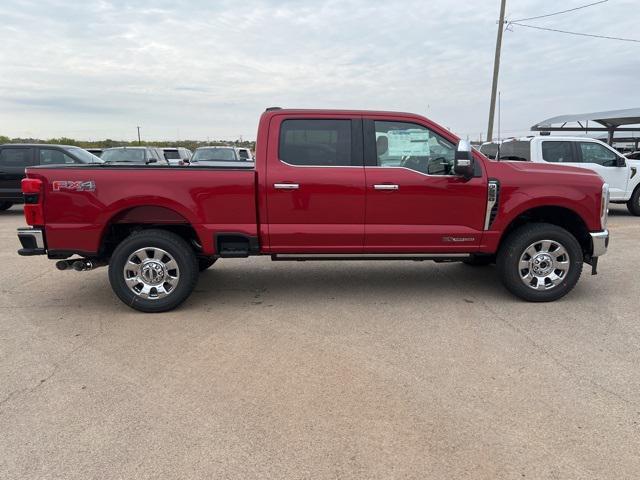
315,184
414,201
13,161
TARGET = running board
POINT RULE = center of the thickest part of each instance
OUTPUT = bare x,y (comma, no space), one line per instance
303,257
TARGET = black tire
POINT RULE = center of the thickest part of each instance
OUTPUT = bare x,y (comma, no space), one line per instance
479,260
175,247
514,247
633,205
205,262
5,206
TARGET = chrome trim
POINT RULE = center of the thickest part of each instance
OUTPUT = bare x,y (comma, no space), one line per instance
385,186
319,166
604,205
35,233
409,169
600,242
286,186
372,255
492,197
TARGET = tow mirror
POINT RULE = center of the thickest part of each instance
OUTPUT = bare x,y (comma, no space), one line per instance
621,162
463,163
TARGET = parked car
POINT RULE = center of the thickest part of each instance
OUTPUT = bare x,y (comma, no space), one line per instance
620,174
134,155
221,156
328,184
178,156
14,158
95,151
245,154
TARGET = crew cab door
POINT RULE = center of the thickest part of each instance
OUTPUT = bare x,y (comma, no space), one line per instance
594,156
13,161
415,203
315,184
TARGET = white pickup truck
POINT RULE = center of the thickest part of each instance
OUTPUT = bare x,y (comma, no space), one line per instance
622,174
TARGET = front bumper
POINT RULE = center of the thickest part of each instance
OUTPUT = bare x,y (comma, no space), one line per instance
599,243
32,241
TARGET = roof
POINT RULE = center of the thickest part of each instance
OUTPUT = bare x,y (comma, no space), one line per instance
43,145
608,119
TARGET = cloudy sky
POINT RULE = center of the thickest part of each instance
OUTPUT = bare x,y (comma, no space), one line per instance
207,69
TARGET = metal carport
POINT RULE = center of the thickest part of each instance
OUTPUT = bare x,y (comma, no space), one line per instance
611,121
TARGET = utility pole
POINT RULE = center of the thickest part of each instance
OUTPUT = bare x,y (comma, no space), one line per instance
496,69
139,142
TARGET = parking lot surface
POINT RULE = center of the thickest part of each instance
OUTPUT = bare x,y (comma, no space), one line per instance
321,370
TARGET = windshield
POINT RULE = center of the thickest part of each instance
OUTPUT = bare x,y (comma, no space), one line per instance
125,155
214,155
171,154
84,156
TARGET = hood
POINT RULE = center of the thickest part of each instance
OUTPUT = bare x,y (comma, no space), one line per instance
544,172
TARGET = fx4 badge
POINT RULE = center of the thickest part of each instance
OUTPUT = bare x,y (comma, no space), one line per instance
74,185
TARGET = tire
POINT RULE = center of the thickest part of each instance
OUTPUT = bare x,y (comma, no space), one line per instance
633,205
205,262
5,206
544,268
479,260
169,275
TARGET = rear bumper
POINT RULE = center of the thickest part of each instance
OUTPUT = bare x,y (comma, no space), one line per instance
599,243
32,241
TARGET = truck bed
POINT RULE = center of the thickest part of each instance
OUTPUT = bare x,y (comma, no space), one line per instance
81,202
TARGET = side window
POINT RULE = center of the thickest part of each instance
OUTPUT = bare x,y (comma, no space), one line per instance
413,146
49,156
15,157
596,153
558,152
324,143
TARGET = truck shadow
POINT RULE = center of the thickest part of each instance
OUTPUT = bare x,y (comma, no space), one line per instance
258,283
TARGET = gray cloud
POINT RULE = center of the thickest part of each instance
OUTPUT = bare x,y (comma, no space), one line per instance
97,69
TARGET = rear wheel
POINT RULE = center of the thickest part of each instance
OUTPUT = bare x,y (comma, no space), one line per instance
633,205
205,262
153,270
540,262
5,206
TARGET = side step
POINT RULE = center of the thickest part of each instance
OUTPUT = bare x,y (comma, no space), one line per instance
303,257
233,245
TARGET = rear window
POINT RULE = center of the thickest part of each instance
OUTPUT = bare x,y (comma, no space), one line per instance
15,157
325,143
214,155
516,150
123,155
171,154
557,152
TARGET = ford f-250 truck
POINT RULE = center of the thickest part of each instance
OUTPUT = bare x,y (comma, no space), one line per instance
327,184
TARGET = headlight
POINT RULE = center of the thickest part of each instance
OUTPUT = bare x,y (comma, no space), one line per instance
604,206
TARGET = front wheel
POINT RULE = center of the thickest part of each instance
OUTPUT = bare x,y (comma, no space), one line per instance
153,270
5,206
633,205
540,262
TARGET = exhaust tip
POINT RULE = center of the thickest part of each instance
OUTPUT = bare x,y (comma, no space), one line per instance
62,265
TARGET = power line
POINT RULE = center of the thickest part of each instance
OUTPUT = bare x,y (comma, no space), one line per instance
576,33
558,13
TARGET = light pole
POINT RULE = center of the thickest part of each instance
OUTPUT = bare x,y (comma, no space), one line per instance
496,69
139,142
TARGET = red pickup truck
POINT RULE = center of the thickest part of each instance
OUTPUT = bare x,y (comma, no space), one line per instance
327,184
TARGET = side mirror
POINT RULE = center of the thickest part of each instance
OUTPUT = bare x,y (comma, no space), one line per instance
621,162
152,160
463,164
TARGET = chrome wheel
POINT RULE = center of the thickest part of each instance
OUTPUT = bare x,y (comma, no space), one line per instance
151,273
544,265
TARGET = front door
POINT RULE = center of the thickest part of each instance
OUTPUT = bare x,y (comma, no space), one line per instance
414,201
315,185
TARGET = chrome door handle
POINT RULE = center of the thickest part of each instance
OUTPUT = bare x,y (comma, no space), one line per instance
385,186
286,186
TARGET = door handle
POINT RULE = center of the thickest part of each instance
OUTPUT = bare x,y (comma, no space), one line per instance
286,186
385,186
